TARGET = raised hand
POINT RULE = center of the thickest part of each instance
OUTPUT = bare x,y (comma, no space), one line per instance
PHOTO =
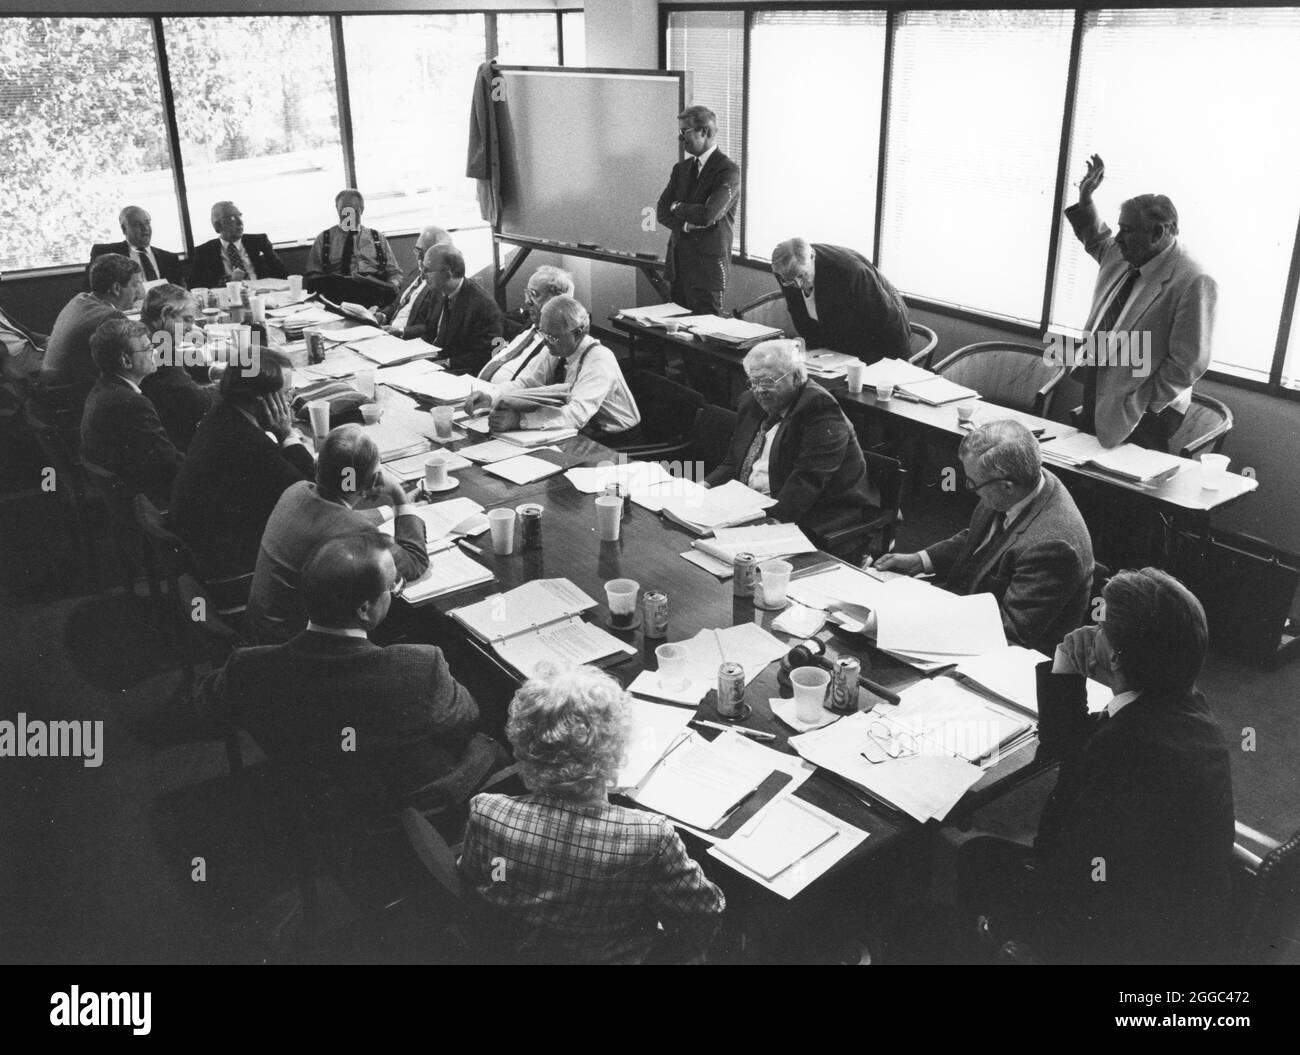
1091,179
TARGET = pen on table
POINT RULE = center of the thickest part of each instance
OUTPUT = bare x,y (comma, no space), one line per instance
906,397
469,547
879,690
757,734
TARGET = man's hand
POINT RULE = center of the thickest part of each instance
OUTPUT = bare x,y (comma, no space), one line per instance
503,420
477,401
238,275
396,331
388,488
276,416
1091,179
902,563
1085,651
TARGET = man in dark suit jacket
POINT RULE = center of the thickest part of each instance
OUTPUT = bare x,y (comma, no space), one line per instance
793,442
233,256
120,430
699,207
1133,855
857,311
389,722
168,314
468,327
1027,543
154,263
408,314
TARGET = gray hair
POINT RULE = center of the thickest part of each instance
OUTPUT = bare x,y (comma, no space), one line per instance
1155,209
702,119
793,252
551,281
217,209
1157,628
431,236
349,192
783,354
112,340
158,299
126,211
567,312
1005,449
347,462
569,727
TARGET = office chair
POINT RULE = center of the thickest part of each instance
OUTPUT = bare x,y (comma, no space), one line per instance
1005,373
1205,428
928,341
849,540
668,412
768,310
1266,892
711,436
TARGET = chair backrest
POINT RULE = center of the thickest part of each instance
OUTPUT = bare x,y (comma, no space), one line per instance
116,493
668,409
712,436
432,850
1268,894
1006,373
887,474
768,310
924,342
173,556
1205,428
218,634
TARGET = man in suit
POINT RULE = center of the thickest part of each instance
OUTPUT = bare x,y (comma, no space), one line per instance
389,722
793,442
155,263
699,207
1150,288
233,256
115,285
408,314
120,430
468,323
168,314
350,261
1027,544
347,471
838,300
1134,849
510,361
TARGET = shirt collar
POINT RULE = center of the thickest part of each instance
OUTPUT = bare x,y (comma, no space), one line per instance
703,159
1013,514
1118,703
127,381
1151,266
337,631
233,241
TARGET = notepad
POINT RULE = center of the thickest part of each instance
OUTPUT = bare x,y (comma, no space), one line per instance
697,783
786,835
525,469
387,350
536,437
449,571
394,441
937,391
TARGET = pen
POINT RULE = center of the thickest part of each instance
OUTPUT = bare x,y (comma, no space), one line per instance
469,546
757,734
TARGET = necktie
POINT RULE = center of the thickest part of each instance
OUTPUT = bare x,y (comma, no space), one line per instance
999,523
232,258
755,449
561,369
694,178
146,265
1123,289
441,336
349,247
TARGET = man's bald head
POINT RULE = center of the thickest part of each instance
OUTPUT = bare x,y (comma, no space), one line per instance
429,237
445,256
347,464
137,226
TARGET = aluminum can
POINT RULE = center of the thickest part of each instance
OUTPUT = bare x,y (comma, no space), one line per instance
654,614
315,348
842,693
746,571
731,690
530,526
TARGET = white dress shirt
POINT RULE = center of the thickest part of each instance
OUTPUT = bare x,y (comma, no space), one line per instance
759,477
598,394
1118,703
510,360
409,298
246,262
136,254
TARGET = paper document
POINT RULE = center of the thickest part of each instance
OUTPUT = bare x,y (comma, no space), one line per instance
571,641
490,451
648,313
942,718
731,331
722,569
787,833
764,541
387,350
1010,674
537,437
893,372
728,505
655,728
635,476
699,782
686,495
395,441
1127,461
437,387
932,622
449,571
799,621
351,334
937,391
403,376
747,644
647,684
524,469
455,516
523,608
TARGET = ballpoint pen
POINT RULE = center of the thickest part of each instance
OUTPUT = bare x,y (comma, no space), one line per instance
757,734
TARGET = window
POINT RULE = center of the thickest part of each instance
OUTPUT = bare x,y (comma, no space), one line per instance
975,110
1226,154
573,28
710,47
813,155
528,40
84,136
257,112
411,80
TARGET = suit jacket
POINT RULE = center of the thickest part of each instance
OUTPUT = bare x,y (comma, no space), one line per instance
701,257
120,431
67,354
470,335
1146,794
816,470
411,721
234,473
1039,568
208,270
1174,302
169,264
426,307
180,402
859,312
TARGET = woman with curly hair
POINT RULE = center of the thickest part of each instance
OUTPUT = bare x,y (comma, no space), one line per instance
567,876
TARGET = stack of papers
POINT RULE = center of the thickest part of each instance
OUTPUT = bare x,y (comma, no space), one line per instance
395,441
648,314
940,717
387,350
1009,674
736,332
707,509
450,571
937,391
655,729
350,334
747,644
525,469
633,478
537,437
922,786
827,364
434,386
699,782
922,624
402,377
764,541
1135,464
893,372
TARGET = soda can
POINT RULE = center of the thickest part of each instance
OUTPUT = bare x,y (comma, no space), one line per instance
731,690
315,348
842,693
654,614
530,526
615,490
746,571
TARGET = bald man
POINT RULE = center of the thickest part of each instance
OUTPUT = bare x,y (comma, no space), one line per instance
233,256
468,327
155,263
408,315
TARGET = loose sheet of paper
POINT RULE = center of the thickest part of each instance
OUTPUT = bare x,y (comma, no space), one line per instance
524,469
655,728
490,451
635,476
537,437
747,644
762,540
573,641
647,684
449,571
1010,673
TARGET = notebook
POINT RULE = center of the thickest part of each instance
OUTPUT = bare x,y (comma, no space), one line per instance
450,571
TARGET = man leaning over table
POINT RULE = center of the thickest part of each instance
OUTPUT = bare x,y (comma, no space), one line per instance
793,442
578,368
233,256
1027,544
408,315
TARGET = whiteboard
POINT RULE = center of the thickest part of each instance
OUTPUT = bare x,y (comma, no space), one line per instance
584,154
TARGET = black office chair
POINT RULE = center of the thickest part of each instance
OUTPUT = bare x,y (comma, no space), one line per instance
668,412
768,310
924,342
1205,428
1266,892
128,540
850,540
59,445
711,436
1005,373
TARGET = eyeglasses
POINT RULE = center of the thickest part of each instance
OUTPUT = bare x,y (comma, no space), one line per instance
764,384
532,296
887,742
971,485
398,586
550,338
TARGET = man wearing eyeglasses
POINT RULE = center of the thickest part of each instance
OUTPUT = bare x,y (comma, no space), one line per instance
466,322
408,315
793,442
576,384
838,300
395,717
699,209
543,284
1027,544
348,471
